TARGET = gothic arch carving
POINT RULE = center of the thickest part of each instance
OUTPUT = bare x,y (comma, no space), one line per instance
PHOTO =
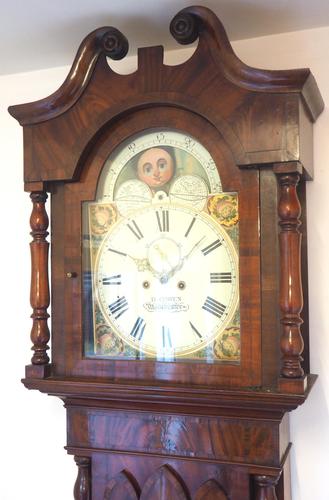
164,484
122,487
210,490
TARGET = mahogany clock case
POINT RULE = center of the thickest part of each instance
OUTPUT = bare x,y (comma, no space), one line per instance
66,207
257,126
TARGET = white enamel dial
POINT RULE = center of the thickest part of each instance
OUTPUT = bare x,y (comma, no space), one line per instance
166,280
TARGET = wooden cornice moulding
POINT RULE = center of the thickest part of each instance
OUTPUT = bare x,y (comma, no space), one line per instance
199,400
212,32
185,27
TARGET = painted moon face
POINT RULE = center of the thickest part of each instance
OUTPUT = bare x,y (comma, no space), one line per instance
155,167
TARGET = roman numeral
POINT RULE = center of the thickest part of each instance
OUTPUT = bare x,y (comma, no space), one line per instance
119,307
138,329
166,338
195,330
163,220
117,251
135,230
211,247
214,307
220,277
190,227
112,280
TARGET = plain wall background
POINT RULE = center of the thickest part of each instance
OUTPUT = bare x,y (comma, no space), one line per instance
32,430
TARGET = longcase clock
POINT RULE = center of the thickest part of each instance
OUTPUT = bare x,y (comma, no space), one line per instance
179,340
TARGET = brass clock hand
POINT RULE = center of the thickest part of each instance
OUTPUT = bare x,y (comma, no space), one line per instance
142,264
166,276
192,249
162,254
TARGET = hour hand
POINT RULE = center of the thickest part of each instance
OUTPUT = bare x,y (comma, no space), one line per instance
142,264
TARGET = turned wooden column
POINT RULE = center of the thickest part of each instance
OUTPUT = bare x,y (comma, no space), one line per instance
291,296
82,487
39,295
265,487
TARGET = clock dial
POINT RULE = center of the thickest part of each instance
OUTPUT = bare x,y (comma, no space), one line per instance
161,240
147,287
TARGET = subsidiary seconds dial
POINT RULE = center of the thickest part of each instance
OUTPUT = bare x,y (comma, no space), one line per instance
166,280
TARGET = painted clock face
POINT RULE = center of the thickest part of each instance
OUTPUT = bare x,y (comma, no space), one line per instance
160,254
148,286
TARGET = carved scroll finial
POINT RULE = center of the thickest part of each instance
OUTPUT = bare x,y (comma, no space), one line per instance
106,41
185,28
39,295
291,296
197,20
115,44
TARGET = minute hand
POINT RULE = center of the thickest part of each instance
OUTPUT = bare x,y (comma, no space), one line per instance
179,266
192,249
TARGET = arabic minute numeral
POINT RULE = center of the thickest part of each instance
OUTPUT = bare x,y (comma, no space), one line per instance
160,137
211,164
189,143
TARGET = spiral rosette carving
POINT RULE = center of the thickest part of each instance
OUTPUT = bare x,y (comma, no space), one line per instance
185,28
115,44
